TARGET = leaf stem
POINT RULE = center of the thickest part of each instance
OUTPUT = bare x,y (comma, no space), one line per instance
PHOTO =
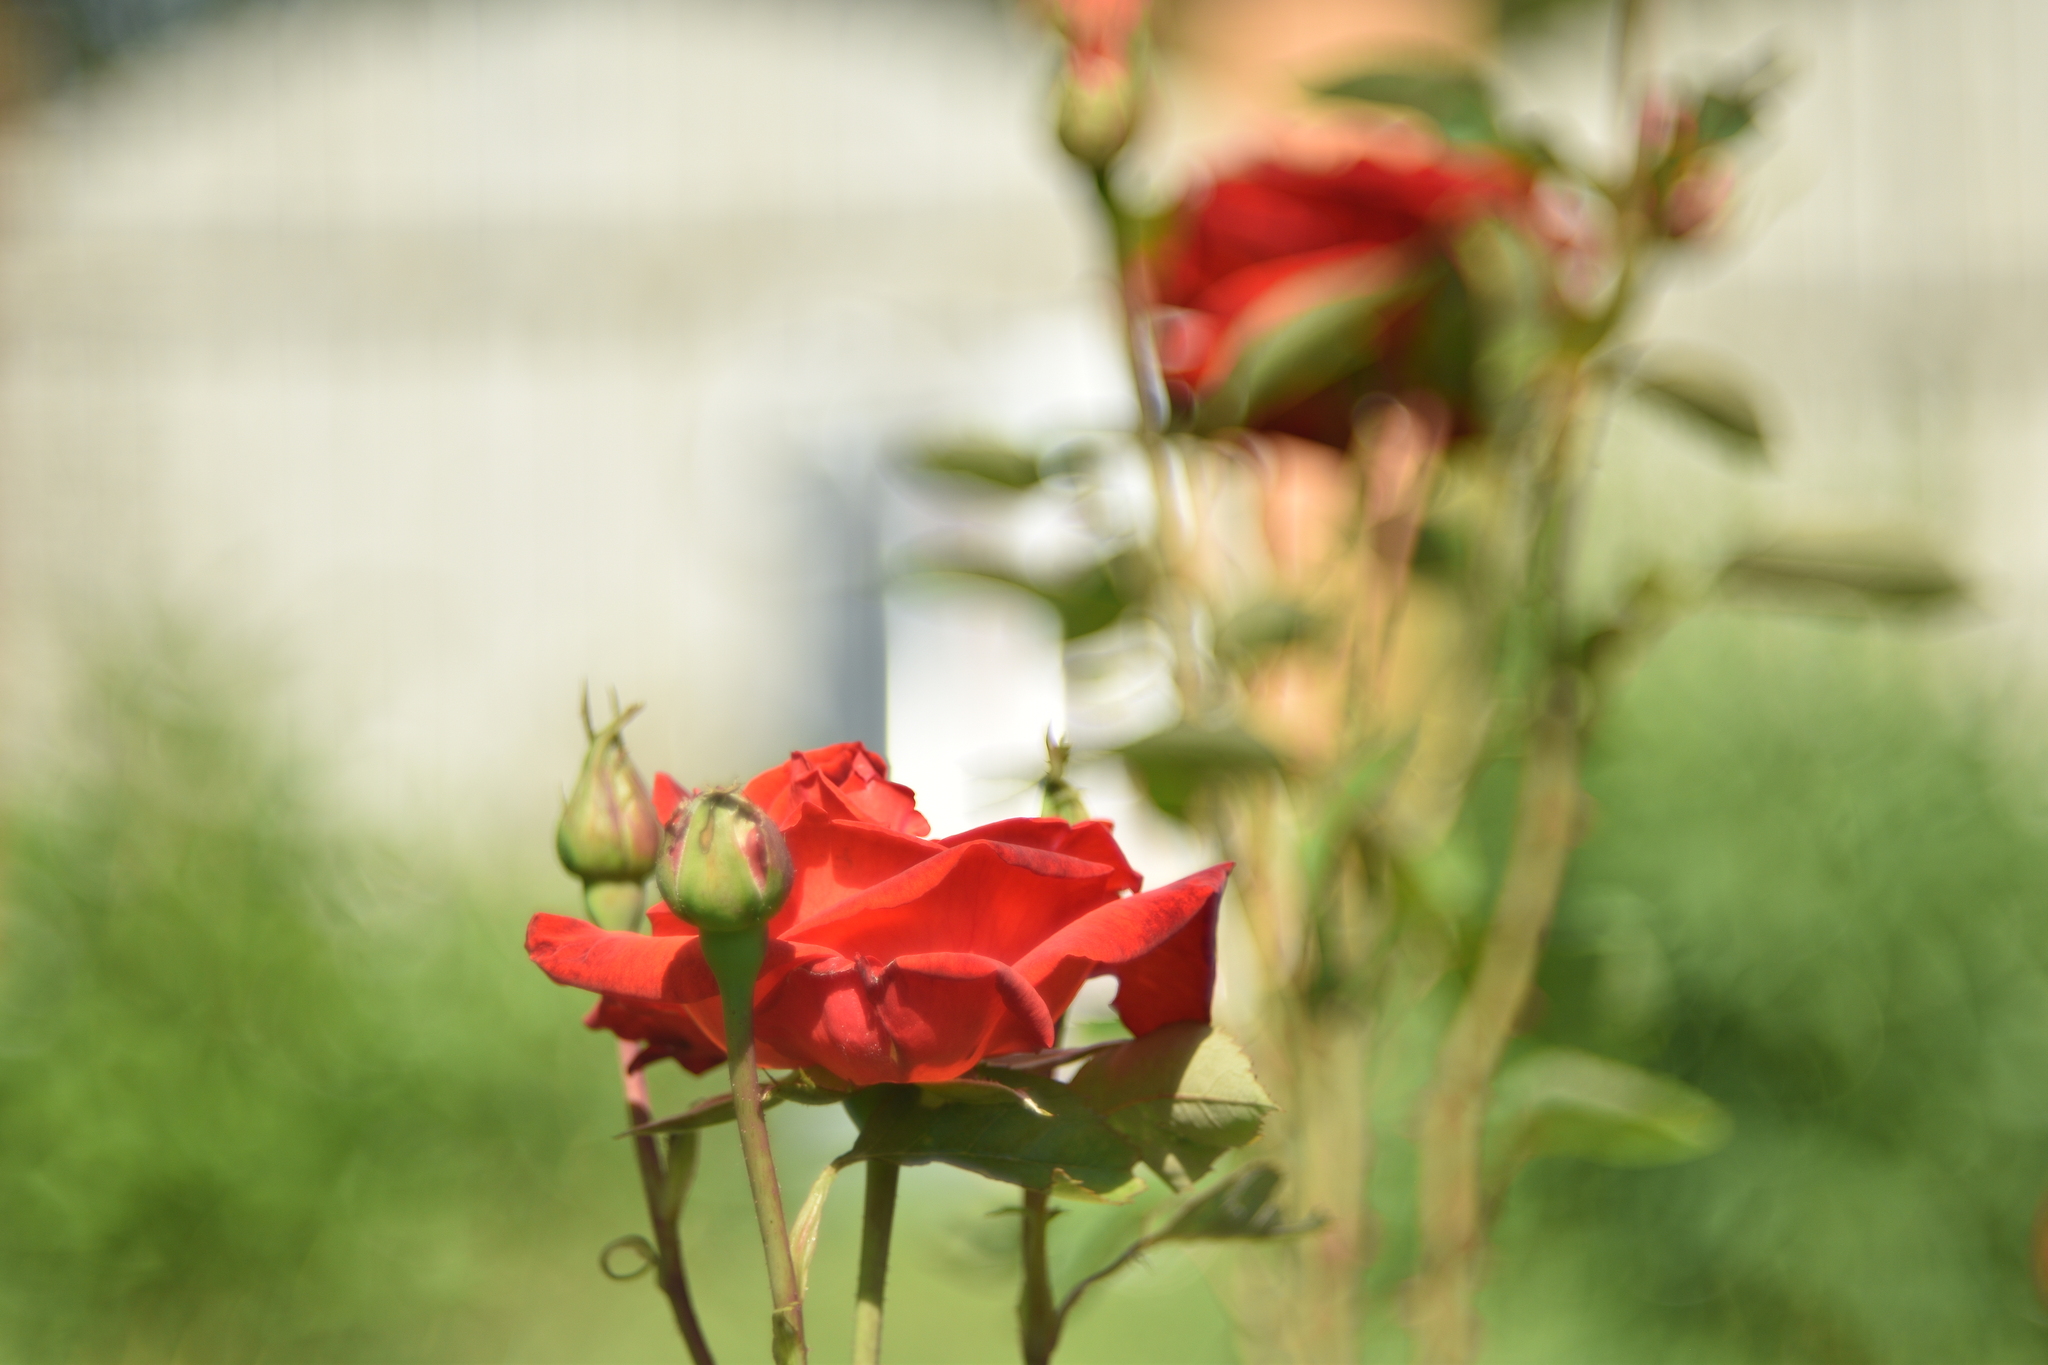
1035,1312
878,1219
662,1210
735,960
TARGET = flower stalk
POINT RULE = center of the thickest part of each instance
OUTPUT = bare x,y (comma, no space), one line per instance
614,905
1037,1315
735,959
878,1220
664,1185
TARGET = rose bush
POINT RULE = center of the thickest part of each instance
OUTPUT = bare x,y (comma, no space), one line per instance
1262,249
903,958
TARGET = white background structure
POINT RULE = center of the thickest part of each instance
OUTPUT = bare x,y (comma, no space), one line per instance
465,351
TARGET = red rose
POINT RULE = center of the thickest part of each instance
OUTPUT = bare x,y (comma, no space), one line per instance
1100,28
902,958
1258,249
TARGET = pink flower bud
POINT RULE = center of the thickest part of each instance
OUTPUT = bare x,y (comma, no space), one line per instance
1696,203
608,831
723,866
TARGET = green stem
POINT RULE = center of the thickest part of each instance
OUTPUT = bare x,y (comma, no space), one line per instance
878,1219
1452,1213
1035,1311
735,960
615,905
662,1209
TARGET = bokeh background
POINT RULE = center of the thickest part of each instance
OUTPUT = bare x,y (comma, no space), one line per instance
376,373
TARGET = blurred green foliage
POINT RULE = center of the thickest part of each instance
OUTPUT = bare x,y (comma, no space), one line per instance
272,1090
1820,896
266,1091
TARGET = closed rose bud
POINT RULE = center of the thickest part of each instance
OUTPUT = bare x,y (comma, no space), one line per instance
723,864
1098,104
1061,801
608,831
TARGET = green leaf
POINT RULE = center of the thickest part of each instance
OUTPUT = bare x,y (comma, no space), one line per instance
705,1113
1240,1205
1724,116
1729,109
1439,352
1068,1142
1173,765
813,1086
1065,1188
1456,99
988,463
1088,601
1443,549
1307,352
1046,1062
1557,1101
1712,402
1835,573
977,1090
1183,1095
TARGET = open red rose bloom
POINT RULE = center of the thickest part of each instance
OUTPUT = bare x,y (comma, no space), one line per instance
903,958
1258,249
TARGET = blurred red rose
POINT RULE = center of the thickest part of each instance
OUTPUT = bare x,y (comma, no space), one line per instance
901,958
1257,250
1102,29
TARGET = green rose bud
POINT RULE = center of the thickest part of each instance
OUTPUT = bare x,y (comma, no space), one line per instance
1061,801
723,864
608,831
1097,106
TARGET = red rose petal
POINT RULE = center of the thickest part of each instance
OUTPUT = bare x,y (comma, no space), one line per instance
994,900
847,781
668,794
922,1017
833,860
666,969
1093,840
891,804
1175,983
668,1031
1160,944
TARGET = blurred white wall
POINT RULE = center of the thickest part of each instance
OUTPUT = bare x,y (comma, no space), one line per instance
1884,279
468,350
